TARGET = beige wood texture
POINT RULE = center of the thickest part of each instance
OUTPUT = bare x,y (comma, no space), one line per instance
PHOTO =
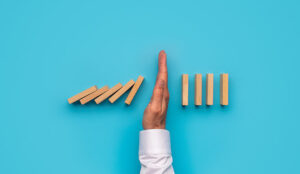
224,89
185,90
93,95
209,89
108,93
134,90
118,94
198,89
82,94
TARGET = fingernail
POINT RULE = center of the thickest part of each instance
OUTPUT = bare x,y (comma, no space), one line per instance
162,52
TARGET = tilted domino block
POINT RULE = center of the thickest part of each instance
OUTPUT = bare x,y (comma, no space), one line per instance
134,90
118,94
94,95
224,89
209,89
82,94
198,89
185,90
108,93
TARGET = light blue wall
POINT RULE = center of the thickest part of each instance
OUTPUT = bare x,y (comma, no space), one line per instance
50,50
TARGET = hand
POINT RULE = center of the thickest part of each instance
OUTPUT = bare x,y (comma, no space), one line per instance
156,111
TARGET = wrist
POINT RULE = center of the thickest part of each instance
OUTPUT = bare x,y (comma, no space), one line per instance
154,125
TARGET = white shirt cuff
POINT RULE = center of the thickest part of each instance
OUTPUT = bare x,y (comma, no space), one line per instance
155,141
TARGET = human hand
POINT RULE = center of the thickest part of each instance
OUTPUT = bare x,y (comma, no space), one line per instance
156,111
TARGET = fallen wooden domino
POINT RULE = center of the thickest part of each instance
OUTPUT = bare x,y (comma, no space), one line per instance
119,93
198,89
134,90
82,94
185,90
93,95
209,89
108,93
224,89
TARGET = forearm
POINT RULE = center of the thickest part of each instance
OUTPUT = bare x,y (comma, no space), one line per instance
155,152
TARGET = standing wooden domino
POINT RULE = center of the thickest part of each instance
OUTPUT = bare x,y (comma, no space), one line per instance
185,90
82,94
134,90
198,89
209,89
94,95
118,94
224,89
108,93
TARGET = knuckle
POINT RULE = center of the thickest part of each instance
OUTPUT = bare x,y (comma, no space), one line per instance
156,110
157,94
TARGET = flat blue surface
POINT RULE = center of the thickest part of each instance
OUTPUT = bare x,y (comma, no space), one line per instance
51,50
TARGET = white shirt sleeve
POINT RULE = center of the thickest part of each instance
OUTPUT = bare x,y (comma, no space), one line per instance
155,152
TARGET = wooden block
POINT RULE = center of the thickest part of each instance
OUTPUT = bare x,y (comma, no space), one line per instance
82,94
198,89
209,89
118,94
94,95
185,89
224,89
134,90
108,93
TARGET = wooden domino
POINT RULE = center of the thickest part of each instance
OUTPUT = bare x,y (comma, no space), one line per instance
82,94
134,90
198,89
209,89
185,90
111,91
224,89
94,95
118,94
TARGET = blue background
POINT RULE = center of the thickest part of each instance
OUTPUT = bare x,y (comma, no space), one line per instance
51,50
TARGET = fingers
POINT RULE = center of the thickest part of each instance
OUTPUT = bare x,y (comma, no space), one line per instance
163,73
162,62
158,95
162,67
